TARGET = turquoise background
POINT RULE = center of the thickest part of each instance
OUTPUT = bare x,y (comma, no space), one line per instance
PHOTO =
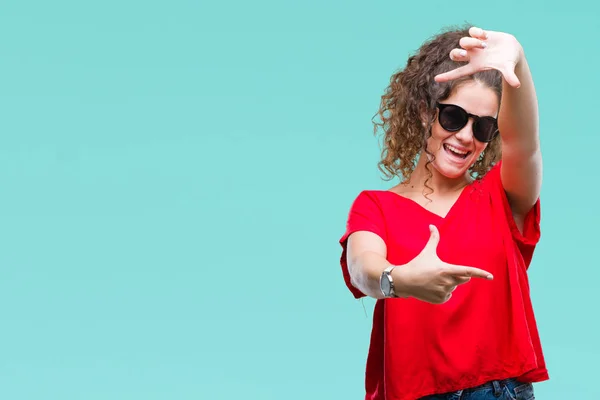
175,176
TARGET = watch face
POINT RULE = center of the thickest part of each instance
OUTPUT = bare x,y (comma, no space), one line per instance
385,285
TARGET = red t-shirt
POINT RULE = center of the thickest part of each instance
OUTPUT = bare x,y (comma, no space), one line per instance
487,329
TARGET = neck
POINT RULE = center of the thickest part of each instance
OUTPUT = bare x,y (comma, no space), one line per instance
438,182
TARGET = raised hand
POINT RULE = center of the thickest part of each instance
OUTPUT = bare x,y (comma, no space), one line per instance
430,279
484,50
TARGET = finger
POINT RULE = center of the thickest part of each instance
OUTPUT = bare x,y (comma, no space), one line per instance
468,272
510,77
459,280
459,55
478,33
455,73
469,43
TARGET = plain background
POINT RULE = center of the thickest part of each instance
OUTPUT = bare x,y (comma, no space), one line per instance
175,176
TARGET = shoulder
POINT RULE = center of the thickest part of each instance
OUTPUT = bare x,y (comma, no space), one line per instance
373,205
373,194
373,198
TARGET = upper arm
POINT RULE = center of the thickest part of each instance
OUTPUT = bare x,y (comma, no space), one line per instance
521,174
524,226
365,232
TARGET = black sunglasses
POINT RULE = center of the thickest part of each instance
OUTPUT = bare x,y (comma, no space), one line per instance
453,118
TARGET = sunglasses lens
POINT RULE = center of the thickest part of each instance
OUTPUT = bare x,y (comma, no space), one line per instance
485,129
453,118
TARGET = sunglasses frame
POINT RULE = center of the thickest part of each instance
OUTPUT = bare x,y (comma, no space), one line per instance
476,118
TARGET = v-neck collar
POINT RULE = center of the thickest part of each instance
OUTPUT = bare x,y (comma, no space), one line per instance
438,216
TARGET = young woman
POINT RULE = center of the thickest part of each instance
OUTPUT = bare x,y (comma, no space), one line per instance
446,251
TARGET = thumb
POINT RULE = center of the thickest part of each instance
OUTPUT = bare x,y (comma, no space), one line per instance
434,240
510,77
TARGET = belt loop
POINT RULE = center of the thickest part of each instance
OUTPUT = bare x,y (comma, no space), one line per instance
497,388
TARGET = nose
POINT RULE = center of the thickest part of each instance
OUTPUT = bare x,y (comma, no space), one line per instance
465,135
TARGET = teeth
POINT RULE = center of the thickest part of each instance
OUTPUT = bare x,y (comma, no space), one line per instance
454,149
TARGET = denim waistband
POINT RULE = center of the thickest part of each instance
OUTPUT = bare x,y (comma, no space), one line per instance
503,382
498,385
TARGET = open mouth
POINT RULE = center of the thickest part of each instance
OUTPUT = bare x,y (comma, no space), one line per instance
453,151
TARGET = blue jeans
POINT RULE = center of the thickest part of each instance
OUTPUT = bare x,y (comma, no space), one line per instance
508,389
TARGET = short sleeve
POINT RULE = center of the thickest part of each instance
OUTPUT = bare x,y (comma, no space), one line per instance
528,239
365,215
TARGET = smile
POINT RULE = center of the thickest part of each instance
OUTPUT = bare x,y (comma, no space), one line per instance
453,151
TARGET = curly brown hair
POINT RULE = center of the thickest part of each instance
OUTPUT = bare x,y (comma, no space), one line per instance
413,92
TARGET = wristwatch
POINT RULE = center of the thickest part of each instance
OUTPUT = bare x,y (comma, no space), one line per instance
386,283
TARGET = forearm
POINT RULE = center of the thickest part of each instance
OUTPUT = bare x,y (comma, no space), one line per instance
425,277
518,118
365,272
518,122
